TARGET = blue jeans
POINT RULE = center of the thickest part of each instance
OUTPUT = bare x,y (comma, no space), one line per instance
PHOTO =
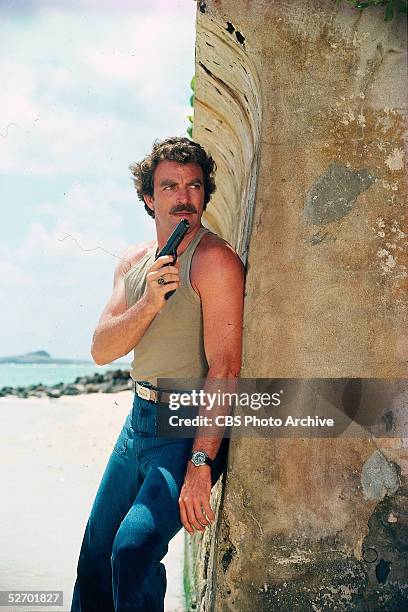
134,516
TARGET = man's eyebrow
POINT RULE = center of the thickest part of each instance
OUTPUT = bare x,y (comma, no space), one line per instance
165,182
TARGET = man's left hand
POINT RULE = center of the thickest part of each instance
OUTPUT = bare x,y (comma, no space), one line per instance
194,500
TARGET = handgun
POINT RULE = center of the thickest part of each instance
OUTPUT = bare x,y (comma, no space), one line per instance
172,244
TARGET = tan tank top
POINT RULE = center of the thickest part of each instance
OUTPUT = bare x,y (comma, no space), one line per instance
173,344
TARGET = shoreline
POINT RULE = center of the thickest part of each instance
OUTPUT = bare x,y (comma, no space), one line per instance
111,381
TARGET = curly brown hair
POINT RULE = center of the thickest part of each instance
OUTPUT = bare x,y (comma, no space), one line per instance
179,149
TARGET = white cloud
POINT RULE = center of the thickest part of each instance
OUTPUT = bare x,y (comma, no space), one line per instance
90,218
62,142
54,284
86,87
89,6
72,101
11,274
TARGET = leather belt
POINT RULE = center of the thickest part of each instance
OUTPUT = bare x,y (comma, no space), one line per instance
152,395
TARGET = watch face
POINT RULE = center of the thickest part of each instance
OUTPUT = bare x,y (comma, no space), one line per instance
198,458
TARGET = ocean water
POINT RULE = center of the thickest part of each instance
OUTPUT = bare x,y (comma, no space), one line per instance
22,375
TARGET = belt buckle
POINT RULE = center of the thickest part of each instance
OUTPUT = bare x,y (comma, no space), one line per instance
143,392
146,394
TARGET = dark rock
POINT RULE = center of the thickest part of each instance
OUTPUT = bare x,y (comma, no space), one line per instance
71,390
122,387
58,386
53,393
98,378
111,381
106,387
91,388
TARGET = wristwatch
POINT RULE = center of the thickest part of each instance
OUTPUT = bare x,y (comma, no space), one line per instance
200,457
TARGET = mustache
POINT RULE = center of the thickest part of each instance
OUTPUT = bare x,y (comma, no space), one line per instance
183,208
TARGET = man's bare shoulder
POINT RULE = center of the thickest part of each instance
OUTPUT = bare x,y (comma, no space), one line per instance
213,248
214,253
133,254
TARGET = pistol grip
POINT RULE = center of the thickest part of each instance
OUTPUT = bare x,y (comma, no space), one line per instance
170,293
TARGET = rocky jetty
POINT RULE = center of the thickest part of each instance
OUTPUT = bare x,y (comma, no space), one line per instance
111,381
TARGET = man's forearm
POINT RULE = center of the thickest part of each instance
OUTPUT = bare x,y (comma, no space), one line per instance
118,335
209,439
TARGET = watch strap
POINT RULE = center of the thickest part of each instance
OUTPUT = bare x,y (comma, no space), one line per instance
209,461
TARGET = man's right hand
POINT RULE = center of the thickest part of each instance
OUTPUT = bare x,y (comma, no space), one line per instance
154,295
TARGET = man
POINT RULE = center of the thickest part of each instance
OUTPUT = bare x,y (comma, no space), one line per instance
152,486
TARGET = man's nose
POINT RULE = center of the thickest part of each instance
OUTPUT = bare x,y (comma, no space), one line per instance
182,195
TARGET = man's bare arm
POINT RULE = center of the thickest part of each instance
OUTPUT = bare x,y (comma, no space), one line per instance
120,328
220,281
222,297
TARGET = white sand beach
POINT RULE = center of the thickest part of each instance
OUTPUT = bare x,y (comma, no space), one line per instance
52,455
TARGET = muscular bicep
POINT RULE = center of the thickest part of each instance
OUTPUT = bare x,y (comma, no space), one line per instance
221,287
117,302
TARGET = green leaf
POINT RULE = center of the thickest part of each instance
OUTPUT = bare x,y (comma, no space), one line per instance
191,118
192,100
190,131
389,11
391,6
192,84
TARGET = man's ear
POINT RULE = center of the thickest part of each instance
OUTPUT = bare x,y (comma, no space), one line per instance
149,201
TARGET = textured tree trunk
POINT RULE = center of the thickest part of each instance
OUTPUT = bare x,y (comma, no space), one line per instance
303,104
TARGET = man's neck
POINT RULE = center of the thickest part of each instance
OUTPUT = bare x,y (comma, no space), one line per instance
184,243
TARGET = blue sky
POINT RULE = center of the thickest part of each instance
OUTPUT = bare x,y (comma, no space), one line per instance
86,87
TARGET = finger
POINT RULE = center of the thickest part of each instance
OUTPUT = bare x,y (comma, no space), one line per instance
169,268
184,519
162,261
165,274
208,510
199,513
164,270
192,517
168,287
168,278
152,281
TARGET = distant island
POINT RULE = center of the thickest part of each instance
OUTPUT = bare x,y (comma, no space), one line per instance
39,357
44,357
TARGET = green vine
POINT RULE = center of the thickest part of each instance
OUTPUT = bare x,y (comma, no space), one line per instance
191,116
391,6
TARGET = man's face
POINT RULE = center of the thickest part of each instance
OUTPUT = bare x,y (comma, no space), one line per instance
178,194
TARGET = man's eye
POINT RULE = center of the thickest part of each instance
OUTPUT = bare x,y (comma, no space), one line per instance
196,186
